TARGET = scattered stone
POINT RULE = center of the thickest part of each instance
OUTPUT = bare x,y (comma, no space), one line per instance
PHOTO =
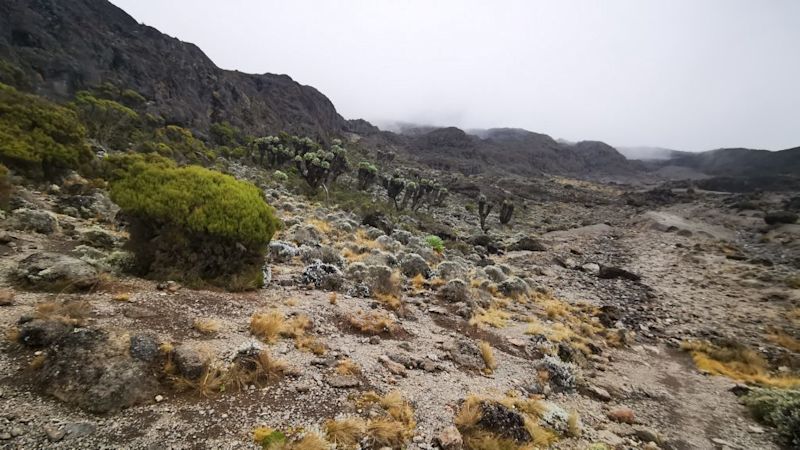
393,367
622,415
592,268
342,381
449,439
189,362
6,297
527,243
159,398
53,434
598,393
607,272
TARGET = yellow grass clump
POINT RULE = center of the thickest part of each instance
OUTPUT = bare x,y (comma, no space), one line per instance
475,437
418,283
785,340
373,323
348,367
267,325
488,357
345,433
322,226
493,317
738,362
205,325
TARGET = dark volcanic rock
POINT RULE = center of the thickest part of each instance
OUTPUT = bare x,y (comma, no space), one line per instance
607,272
775,217
503,421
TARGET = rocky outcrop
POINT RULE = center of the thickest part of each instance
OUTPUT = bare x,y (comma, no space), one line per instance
63,46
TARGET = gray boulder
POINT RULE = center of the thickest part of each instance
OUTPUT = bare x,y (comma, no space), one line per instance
495,274
34,220
513,287
454,291
448,270
323,276
413,264
56,272
527,243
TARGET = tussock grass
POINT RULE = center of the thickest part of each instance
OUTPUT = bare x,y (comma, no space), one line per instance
493,317
348,367
271,325
373,323
418,283
323,226
394,429
488,357
345,433
206,325
267,325
785,340
245,370
736,361
70,312
475,437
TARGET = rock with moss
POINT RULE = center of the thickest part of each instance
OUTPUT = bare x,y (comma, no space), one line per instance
56,273
34,220
195,225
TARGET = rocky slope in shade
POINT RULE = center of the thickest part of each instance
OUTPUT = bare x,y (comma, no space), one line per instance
68,45
504,150
741,161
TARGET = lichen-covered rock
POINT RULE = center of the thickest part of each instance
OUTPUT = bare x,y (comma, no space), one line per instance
305,234
39,333
56,272
36,220
448,270
455,291
402,236
323,276
281,251
495,274
527,243
189,362
144,347
513,287
99,238
413,264
503,421
324,253
466,354
561,374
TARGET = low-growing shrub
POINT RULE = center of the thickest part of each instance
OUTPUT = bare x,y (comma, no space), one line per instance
39,138
777,408
435,242
5,187
195,225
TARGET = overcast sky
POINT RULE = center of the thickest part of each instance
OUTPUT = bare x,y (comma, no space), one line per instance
683,74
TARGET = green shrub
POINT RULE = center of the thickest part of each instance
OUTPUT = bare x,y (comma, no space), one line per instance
5,188
777,408
280,177
435,242
179,144
195,225
109,122
225,134
39,138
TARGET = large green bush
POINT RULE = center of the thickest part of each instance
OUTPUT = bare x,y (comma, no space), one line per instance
195,224
37,137
110,122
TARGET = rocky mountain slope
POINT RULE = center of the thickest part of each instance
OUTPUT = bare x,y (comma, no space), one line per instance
65,46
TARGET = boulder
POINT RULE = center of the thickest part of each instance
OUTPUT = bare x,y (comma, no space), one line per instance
413,264
608,272
513,287
455,291
448,270
561,374
99,238
527,243
467,355
189,362
323,276
449,439
495,274
40,333
34,220
56,272
281,251
503,421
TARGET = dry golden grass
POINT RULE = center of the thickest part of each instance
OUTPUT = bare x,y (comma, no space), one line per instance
437,282
348,367
574,426
373,323
737,362
394,429
296,326
37,362
345,433
418,283
206,326
122,297
354,256
387,433
476,438
311,344
323,226
784,340
267,325
333,298
70,312
310,441
488,357
391,301
211,382
255,369
493,317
